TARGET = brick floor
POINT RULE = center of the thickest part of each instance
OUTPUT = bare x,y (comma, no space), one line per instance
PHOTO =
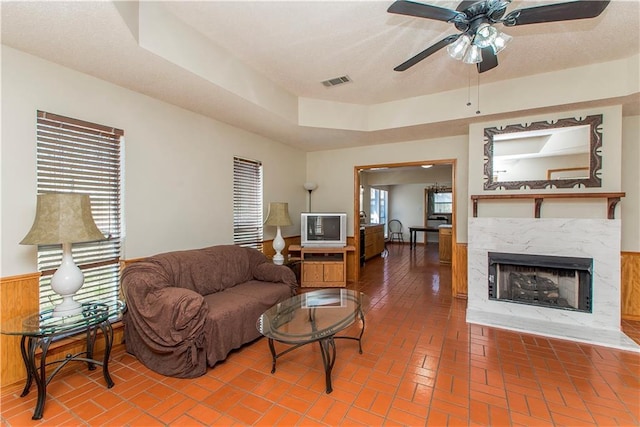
422,365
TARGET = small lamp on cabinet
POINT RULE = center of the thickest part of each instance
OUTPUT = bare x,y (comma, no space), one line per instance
279,216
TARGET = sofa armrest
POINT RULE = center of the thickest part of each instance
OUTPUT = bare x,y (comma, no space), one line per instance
169,316
268,272
164,315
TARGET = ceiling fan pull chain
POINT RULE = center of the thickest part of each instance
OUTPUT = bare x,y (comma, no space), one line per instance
478,110
469,87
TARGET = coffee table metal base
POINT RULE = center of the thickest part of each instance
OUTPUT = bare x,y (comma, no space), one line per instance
327,349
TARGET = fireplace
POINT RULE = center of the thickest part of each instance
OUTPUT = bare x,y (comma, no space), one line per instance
559,240
550,281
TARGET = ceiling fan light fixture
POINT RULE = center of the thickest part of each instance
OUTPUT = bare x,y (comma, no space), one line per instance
485,35
500,42
473,55
457,49
475,19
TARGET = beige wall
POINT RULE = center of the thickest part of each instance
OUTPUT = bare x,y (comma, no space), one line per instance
333,170
178,164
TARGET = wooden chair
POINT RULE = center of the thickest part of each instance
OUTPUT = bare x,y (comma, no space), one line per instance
395,231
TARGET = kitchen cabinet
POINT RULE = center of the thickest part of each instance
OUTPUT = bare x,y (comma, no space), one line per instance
445,244
373,240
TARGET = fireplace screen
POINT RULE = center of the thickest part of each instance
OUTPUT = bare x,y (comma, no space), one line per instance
550,281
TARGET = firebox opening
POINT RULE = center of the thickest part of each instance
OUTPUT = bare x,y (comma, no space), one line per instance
542,280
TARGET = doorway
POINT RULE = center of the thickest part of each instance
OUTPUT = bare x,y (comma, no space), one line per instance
419,177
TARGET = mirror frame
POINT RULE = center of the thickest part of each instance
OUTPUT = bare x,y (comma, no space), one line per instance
595,156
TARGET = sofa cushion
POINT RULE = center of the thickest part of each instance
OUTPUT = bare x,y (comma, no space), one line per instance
233,313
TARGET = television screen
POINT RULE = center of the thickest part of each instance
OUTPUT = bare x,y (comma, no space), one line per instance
323,228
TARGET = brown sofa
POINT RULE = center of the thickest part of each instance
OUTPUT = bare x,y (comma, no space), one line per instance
189,309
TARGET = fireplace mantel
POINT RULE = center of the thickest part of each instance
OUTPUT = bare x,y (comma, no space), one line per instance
612,199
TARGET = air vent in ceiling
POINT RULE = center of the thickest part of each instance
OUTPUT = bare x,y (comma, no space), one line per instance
336,81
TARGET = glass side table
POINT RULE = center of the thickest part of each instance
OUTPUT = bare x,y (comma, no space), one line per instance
39,330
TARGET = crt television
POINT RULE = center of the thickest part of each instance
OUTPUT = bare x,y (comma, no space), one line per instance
322,229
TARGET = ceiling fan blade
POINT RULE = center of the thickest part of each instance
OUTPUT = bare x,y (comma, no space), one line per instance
427,52
489,60
555,12
421,10
464,4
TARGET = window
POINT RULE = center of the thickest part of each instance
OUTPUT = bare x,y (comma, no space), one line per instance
378,212
442,203
247,203
74,156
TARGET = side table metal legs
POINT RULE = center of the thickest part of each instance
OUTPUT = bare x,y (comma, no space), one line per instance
29,345
107,332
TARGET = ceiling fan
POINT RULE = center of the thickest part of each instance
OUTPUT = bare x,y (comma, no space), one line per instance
479,41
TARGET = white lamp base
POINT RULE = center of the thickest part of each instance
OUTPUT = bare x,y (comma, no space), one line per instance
66,281
68,307
278,246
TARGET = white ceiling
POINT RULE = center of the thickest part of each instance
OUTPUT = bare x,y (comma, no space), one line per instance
298,44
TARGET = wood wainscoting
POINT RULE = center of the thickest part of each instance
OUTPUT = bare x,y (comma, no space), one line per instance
630,285
18,297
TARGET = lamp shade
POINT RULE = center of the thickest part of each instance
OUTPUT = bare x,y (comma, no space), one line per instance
458,48
501,42
278,214
485,35
62,218
473,55
310,186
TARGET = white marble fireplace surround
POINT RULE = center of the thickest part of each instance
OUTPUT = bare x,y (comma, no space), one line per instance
598,239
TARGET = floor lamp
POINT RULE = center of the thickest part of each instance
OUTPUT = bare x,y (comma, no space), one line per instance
279,216
310,186
64,218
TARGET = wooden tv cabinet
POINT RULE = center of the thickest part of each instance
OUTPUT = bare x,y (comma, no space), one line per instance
323,267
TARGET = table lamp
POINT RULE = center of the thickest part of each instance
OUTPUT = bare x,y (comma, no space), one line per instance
64,218
279,216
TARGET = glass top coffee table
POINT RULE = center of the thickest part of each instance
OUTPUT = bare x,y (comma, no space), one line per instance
315,316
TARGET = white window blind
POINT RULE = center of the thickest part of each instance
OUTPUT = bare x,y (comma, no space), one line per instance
74,156
247,203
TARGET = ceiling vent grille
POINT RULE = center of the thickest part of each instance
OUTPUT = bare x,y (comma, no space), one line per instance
336,81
